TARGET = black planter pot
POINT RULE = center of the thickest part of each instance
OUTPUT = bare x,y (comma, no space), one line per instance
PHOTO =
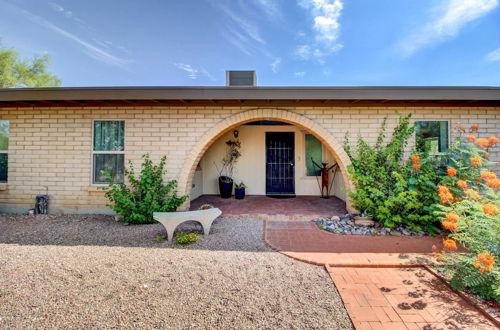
239,193
225,186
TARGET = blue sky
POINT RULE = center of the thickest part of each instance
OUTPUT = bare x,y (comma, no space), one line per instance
288,42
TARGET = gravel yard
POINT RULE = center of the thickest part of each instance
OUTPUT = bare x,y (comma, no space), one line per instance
92,272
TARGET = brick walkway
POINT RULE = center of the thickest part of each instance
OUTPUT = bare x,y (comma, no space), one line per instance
403,298
374,278
267,208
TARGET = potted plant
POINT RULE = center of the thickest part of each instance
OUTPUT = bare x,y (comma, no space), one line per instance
227,166
239,190
364,220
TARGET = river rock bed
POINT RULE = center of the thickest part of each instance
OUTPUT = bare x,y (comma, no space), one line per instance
346,226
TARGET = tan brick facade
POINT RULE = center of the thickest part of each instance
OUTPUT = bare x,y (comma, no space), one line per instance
50,148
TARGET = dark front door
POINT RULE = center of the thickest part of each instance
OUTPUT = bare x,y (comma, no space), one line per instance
280,162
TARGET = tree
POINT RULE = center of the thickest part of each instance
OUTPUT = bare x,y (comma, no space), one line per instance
17,72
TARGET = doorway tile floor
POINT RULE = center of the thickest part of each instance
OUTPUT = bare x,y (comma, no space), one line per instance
267,208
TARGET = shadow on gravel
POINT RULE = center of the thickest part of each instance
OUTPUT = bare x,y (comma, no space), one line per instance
101,230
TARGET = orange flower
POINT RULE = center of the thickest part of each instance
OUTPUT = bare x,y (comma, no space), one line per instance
416,166
476,161
450,244
471,138
484,261
493,140
452,217
490,209
415,159
482,142
487,176
462,184
474,128
495,183
445,194
449,226
451,171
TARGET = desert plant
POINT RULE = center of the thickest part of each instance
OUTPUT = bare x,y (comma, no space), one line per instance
230,159
185,238
240,185
144,195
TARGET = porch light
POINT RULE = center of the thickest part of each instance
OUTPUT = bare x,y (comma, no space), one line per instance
236,133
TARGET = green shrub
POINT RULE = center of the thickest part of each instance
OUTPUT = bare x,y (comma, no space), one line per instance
185,238
145,194
379,175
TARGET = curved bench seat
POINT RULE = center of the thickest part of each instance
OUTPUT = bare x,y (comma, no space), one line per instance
170,220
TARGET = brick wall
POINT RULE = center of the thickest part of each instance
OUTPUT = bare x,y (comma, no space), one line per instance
50,148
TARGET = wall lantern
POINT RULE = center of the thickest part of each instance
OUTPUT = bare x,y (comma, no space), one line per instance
236,133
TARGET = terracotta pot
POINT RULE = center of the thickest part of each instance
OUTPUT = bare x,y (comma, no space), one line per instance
364,221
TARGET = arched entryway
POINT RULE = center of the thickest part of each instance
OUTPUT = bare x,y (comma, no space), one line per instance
228,124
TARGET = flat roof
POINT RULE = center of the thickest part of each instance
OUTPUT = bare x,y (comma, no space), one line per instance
228,95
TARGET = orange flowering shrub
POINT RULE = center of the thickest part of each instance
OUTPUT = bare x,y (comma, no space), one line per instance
451,171
495,184
490,209
448,225
484,262
471,138
452,217
483,142
445,195
469,212
450,244
487,176
476,161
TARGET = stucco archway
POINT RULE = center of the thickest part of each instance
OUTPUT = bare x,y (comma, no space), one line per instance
189,167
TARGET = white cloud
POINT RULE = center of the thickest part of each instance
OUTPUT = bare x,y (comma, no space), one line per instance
493,56
299,74
303,52
194,73
275,65
56,7
248,27
326,15
452,16
91,50
270,8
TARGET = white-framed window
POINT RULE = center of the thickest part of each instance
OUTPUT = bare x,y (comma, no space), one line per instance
313,150
432,135
108,150
4,151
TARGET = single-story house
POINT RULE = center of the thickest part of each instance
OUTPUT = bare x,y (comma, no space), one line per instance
56,141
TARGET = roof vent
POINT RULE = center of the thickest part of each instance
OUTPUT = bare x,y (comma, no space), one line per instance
241,78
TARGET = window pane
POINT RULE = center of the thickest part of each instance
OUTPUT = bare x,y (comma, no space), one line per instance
313,149
4,167
4,135
113,164
432,136
109,135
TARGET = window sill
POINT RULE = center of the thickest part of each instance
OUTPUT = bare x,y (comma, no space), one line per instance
4,186
96,189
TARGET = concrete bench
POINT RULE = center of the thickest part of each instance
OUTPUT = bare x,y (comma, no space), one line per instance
170,220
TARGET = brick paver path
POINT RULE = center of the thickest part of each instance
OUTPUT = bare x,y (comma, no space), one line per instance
303,240
374,278
403,298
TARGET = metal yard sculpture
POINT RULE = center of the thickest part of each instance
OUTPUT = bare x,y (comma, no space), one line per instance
326,184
